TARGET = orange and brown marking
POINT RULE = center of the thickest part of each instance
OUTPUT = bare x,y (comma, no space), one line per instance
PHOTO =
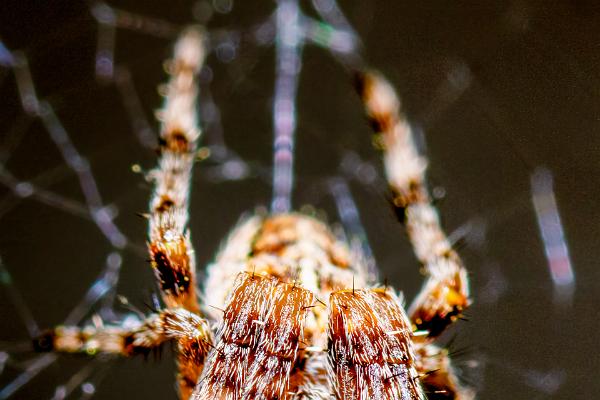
401,199
172,266
277,352
192,349
166,203
444,304
176,141
281,231
276,233
238,334
257,348
382,119
370,348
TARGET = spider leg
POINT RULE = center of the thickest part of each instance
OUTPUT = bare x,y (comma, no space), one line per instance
133,337
437,375
446,293
129,338
170,248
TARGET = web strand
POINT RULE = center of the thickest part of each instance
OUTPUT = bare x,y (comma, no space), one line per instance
288,65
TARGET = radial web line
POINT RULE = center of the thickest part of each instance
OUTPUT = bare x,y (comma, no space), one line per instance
553,236
103,286
350,217
289,63
34,107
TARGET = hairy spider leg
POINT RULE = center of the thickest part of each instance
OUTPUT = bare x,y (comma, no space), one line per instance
445,294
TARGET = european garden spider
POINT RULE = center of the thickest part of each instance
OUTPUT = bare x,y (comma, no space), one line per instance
287,310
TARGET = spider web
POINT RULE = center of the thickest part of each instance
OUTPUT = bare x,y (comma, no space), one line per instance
78,86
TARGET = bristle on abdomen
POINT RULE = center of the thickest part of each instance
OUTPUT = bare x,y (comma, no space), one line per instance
370,348
257,346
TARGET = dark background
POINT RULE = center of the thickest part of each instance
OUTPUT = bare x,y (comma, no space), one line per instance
498,90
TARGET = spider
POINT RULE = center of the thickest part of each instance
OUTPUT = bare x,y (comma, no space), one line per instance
287,309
